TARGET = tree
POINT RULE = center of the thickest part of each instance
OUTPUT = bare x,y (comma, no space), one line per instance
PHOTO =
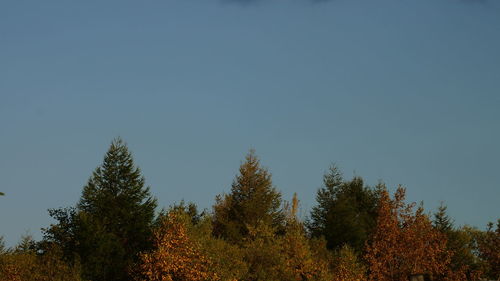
111,223
347,266
489,250
460,242
300,262
346,211
271,255
441,219
23,263
405,242
176,256
253,201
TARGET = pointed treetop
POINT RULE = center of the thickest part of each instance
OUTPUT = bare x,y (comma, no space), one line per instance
441,219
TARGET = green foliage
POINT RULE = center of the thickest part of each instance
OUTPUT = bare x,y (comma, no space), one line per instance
271,255
253,201
441,219
461,242
183,209
263,255
227,258
111,223
346,212
111,234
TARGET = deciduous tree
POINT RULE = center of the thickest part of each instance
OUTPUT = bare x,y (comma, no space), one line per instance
405,242
347,266
489,250
175,256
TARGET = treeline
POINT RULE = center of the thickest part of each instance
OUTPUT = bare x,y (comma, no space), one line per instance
355,232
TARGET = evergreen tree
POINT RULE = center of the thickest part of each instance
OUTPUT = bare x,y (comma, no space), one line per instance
253,201
459,242
441,219
346,211
111,223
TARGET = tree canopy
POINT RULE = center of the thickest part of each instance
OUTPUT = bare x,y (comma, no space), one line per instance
253,201
346,211
355,233
111,223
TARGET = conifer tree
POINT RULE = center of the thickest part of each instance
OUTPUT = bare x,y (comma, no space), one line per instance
346,211
253,201
111,223
441,219
461,243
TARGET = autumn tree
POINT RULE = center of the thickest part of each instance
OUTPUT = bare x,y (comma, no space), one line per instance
347,266
271,255
227,259
300,261
405,242
24,263
252,201
111,223
175,256
346,211
489,250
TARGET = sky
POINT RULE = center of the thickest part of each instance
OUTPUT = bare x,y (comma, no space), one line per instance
403,91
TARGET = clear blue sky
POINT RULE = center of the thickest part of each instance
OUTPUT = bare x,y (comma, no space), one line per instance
407,91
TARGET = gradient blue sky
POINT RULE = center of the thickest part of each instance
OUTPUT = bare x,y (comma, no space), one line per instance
407,91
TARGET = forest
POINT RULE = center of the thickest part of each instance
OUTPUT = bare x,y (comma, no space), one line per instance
355,232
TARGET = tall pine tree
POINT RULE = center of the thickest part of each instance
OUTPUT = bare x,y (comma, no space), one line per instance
112,221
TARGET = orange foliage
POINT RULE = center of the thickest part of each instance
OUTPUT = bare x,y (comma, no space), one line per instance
347,267
11,272
405,242
176,256
489,248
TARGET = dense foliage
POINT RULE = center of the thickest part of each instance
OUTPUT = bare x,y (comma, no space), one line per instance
111,223
346,212
354,233
253,201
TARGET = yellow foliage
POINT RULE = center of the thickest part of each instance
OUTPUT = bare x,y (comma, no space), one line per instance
348,267
176,256
27,266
